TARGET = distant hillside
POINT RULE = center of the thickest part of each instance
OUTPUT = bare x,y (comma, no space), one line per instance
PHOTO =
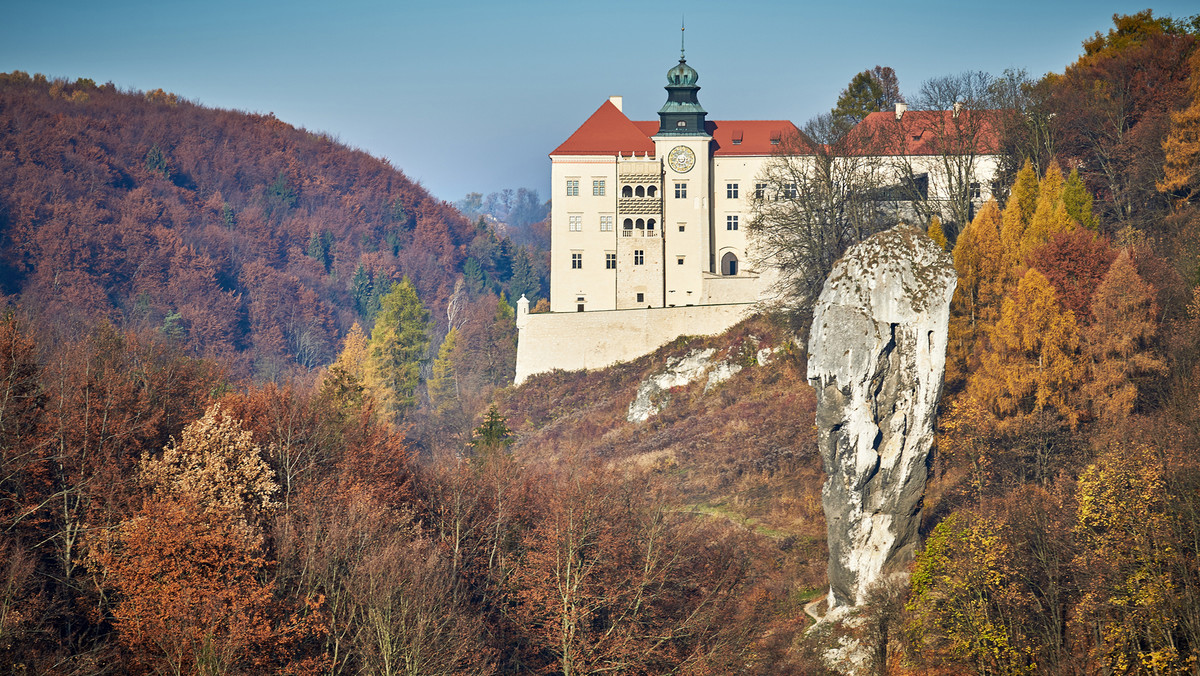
235,233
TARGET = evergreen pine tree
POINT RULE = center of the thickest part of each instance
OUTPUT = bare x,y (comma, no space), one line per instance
397,347
360,290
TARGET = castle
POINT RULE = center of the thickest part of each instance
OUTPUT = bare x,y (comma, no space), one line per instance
648,225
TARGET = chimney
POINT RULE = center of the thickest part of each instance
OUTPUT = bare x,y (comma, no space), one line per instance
958,106
900,108
616,101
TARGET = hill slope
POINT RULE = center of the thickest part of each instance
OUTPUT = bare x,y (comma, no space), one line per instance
236,233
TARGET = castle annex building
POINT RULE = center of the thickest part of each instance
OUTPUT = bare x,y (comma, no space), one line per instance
648,224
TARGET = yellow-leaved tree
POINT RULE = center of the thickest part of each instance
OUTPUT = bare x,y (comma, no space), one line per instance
216,465
1018,213
978,260
1032,364
1050,216
1181,170
936,234
1131,551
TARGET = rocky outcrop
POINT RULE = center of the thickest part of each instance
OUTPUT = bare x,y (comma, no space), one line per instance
877,354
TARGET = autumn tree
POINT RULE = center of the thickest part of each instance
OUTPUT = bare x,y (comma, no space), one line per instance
1027,379
1077,200
1119,345
1018,214
979,262
1126,524
1182,145
397,348
215,465
936,234
964,604
820,198
443,383
1074,261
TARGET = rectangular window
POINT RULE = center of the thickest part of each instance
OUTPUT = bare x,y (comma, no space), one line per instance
576,261
679,260
760,189
610,261
606,223
639,256
975,191
731,222
790,191
598,188
575,223
680,190
641,298
573,187
682,227
731,190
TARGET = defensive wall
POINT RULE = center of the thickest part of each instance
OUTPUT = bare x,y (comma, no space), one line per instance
589,340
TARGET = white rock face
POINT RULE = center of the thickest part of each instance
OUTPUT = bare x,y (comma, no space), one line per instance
877,355
649,399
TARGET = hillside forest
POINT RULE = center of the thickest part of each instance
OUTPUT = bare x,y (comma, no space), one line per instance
255,414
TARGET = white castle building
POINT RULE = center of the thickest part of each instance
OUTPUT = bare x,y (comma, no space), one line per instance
648,228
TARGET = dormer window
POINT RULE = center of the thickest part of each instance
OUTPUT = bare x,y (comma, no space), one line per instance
681,123
775,138
737,137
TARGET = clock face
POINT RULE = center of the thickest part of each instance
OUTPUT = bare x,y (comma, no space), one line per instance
681,159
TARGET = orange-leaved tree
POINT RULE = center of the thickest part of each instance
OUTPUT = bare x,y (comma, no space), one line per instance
1118,344
1033,363
978,260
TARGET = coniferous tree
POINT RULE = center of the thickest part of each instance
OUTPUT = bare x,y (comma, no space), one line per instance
1032,365
936,234
978,260
1119,342
1050,216
397,347
1018,213
1077,200
443,383
360,289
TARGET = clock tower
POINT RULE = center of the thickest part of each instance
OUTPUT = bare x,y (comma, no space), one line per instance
685,146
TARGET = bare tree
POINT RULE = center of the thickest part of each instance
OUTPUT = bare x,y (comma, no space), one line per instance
824,191
939,148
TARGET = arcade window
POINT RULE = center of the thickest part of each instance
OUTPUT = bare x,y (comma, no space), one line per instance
639,256
575,223
731,222
573,188
680,190
576,261
610,261
598,188
731,190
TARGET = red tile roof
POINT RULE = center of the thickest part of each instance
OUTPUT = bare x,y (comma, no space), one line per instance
918,132
607,132
926,132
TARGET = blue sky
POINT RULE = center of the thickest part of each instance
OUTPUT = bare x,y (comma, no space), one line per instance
471,96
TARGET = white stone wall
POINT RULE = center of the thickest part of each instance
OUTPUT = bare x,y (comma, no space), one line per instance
589,340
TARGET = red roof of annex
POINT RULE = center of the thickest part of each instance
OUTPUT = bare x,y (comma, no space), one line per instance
917,132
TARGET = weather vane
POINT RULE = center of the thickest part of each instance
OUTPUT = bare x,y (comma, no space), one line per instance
682,29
